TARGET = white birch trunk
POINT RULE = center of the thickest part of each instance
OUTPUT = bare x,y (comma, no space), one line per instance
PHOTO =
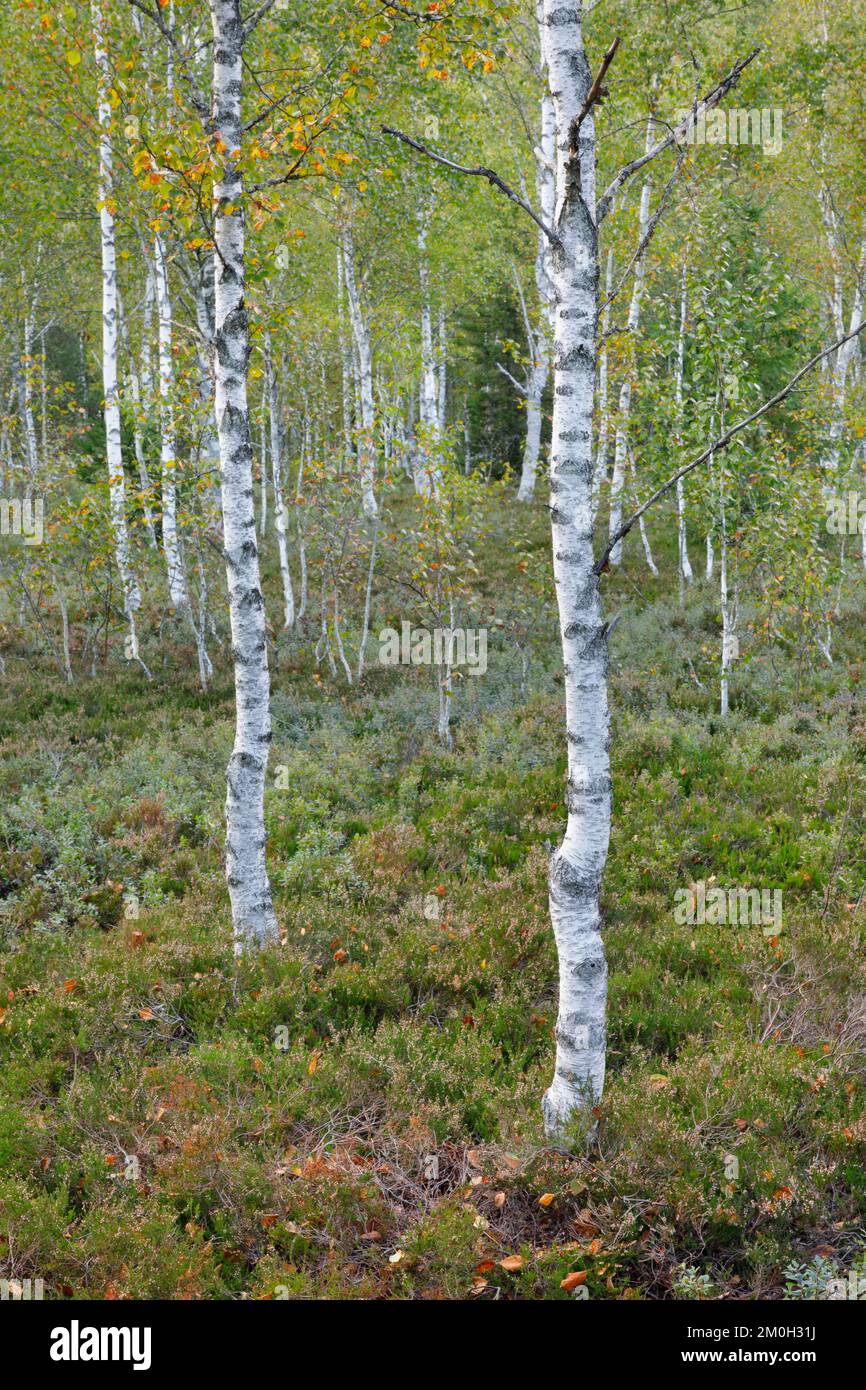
280,516
545,180
346,381
299,517
600,474
209,446
621,440
684,565
442,392
147,334
116,481
27,379
729,608
263,468
253,916
361,335
845,354
426,467
177,589
137,413
576,867
644,535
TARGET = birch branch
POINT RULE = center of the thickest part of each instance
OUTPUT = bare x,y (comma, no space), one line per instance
514,382
256,18
479,172
721,443
675,134
647,238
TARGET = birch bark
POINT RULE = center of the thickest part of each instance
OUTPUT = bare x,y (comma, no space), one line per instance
545,178
361,335
684,565
280,517
426,468
137,413
442,385
116,481
177,590
576,866
620,449
600,475
253,914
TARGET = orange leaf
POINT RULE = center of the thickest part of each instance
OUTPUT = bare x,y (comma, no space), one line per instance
511,1263
545,1199
573,1281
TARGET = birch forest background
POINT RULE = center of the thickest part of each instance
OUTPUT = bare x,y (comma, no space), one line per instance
432,592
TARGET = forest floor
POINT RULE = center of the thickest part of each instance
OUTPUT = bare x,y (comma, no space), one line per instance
357,1112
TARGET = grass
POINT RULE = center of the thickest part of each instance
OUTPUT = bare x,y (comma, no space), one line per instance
356,1113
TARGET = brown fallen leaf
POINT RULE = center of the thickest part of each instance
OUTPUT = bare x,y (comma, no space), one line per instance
573,1281
511,1263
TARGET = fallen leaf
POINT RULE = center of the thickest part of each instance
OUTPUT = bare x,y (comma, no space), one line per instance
573,1281
511,1263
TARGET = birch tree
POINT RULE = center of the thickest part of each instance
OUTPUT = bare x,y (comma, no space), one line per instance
620,448
539,341
361,336
426,470
178,589
683,564
280,514
110,320
577,865
253,916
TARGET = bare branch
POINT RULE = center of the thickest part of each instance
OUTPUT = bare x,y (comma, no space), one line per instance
722,443
675,134
654,221
479,172
594,96
256,18
514,382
